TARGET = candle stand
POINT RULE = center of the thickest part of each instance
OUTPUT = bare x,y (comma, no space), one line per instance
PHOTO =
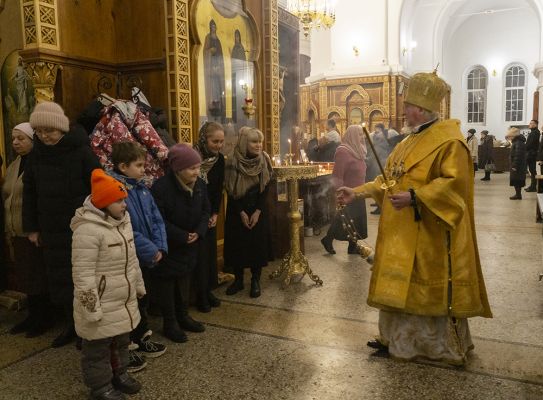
294,263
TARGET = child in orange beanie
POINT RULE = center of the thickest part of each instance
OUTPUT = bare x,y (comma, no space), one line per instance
107,279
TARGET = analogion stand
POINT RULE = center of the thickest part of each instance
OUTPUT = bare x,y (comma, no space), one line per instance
294,263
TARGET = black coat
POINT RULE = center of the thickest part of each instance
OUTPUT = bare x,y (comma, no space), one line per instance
532,144
244,248
55,183
517,176
215,183
486,152
327,152
182,214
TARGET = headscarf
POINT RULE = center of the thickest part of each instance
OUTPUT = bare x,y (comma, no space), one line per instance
208,158
242,172
353,140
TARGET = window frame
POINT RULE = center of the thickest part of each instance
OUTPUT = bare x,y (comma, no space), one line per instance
469,91
524,89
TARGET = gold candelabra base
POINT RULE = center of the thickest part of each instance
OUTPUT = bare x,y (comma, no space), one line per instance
294,263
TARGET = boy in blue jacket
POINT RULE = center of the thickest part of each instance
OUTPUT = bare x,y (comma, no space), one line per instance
149,237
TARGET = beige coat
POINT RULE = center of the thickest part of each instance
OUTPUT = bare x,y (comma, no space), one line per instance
473,146
12,193
106,274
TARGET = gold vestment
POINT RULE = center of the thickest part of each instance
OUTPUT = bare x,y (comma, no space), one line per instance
414,260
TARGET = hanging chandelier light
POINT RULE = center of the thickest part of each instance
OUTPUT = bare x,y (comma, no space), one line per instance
313,14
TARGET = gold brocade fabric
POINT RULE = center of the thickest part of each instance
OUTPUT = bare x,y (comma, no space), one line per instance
412,269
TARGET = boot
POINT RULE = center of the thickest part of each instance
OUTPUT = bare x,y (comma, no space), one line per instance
213,300
377,211
107,393
518,194
66,336
171,331
255,283
327,244
126,384
203,304
43,321
486,177
352,249
237,285
532,187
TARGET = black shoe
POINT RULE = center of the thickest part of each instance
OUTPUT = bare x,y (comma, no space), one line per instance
66,337
126,384
375,344
234,287
352,249
255,288
382,353
107,393
172,332
22,326
327,243
213,300
187,323
377,211
485,179
530,189
204,306
515,197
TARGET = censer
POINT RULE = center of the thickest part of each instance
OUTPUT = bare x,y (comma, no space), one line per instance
365,250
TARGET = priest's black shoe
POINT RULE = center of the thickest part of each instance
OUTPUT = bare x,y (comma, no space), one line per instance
375,344
187,323
255,288
327,243
213,301
126,384
66,337
107,393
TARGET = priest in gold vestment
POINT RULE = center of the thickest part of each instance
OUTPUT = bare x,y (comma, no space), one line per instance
426,279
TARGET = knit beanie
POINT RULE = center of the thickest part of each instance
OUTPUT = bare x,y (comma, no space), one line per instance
49,115
105,189
26,129
181,156
472,131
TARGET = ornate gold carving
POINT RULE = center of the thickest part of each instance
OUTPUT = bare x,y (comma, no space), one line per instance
376,107
178,69
44,77
271,34
358,89
40,22
335,109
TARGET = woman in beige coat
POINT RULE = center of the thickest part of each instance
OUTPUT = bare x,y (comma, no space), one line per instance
28,259
473,145
107,279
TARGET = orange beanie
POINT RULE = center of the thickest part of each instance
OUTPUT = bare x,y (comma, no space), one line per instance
105,189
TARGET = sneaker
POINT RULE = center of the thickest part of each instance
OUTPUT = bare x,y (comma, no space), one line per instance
136,361
149,348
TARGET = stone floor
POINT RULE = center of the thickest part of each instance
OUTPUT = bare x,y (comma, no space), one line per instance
308,342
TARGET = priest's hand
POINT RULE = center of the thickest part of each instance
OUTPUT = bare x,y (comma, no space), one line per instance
400,200
245,219
345,195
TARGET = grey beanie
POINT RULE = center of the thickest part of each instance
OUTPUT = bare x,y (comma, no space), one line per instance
49,115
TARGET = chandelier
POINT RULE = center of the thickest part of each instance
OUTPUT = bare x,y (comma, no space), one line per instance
313,14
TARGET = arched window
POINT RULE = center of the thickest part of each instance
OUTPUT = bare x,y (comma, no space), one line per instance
515,90
477,81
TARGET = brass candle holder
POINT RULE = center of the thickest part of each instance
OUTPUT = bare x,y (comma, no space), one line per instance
294,263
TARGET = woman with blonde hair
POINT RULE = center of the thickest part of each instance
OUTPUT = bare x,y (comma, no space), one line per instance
350,171
246,234
517,176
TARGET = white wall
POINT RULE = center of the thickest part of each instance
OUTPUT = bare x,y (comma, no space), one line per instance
494,42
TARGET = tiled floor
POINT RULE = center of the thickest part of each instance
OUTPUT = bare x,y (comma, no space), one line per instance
308,342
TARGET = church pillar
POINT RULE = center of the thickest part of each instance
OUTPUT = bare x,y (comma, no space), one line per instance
538,72
271,94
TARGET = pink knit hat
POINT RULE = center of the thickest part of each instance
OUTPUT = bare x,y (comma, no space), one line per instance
183,156
49,115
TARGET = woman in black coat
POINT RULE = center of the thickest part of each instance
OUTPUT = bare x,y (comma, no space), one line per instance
181,197
246,230
517,176
486,154
55,183
209,145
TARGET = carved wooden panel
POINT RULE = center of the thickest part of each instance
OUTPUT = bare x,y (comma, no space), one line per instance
40,24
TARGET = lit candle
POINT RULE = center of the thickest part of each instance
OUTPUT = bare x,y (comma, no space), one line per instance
289,146
298,162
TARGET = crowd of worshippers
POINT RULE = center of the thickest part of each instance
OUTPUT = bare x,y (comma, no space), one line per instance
100,226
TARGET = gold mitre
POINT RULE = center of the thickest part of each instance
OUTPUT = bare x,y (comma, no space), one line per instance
426,90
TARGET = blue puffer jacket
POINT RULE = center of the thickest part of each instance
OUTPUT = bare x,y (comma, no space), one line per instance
147,223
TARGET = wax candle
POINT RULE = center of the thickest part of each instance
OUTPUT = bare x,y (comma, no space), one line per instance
289,146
